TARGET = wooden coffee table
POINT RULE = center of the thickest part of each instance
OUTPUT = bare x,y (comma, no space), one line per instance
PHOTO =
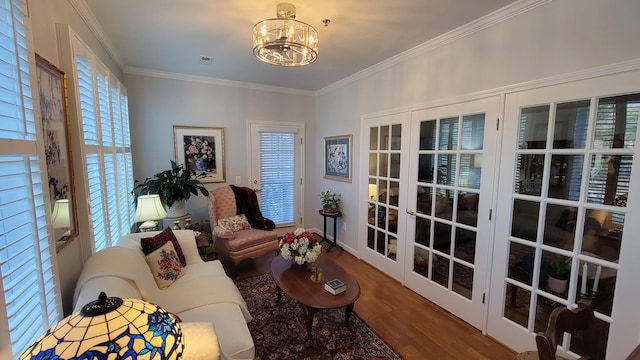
295,281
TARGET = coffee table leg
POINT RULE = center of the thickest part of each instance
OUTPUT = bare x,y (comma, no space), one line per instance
347,314
308,319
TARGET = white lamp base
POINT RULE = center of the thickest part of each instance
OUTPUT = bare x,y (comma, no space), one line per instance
149,225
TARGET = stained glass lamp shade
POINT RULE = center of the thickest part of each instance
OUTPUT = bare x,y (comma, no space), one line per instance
112,328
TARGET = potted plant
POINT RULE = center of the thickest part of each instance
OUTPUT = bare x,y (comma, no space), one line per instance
174,186
329,201
559,271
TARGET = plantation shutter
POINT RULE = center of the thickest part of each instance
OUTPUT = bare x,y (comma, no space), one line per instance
106,148
31,302
278,176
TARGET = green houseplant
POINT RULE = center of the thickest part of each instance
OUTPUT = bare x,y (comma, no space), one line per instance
329,201
172,185
559,270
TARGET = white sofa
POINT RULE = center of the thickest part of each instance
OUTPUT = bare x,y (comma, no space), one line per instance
205,298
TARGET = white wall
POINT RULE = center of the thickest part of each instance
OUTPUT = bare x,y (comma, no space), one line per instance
158,103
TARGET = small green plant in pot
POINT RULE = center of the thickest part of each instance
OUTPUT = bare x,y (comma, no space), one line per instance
173,185
329,201
559,271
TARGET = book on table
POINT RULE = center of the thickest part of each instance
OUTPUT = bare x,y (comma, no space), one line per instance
335,286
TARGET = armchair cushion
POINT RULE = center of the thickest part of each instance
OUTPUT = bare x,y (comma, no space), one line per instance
164,265
151,244
235,223
223,232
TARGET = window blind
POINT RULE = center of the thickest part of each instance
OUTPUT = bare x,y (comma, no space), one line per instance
30,292
278,177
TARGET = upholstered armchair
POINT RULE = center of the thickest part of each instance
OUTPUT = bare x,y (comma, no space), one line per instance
239,234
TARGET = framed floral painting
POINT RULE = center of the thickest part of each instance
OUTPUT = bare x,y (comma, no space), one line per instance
201,149
337,157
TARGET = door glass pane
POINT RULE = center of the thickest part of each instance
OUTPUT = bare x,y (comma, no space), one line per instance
572,119
524,221
565,178
462,279
373,138
440,271
396,136
444,201
373,164
521,260
609,179
473,132
468,208
470,171
395,166
384,137
394,193
425,168
617,122
423,231
442,237
428,135
557,281
533,127
447,169
448,134
392,247
560,226
384,165
382,192
420,260
465,247
423,201
602,234
516,304
529,174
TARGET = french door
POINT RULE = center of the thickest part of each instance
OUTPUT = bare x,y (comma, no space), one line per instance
566,161
450,191
429,192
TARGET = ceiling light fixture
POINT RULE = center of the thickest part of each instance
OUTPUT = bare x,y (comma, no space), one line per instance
285,41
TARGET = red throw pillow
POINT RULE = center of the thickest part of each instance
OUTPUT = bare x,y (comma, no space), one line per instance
151,244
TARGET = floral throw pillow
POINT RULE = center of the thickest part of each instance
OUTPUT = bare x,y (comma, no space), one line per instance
235,223
153,243
165,265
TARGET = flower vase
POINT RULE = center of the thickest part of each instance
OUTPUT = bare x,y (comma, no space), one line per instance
201,165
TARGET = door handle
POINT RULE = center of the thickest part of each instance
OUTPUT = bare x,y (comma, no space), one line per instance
411,212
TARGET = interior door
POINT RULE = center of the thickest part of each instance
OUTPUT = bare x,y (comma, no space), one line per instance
385,144
451,172
567,162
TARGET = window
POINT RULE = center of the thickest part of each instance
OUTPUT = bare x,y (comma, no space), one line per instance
31,302
102,104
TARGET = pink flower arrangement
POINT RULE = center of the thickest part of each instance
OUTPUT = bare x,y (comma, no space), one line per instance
300,247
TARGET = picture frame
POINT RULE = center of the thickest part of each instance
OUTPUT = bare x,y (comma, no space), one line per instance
201,149
337,157
54,115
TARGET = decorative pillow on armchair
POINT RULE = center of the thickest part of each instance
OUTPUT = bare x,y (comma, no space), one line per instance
235,223
165,265
151,244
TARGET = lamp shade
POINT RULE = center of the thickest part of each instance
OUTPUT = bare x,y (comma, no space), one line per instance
149,207
112,328
60,214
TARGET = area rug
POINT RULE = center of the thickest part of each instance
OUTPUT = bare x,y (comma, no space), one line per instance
279,331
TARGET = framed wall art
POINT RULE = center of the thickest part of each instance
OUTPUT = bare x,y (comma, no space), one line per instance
337,157
54,114
201,149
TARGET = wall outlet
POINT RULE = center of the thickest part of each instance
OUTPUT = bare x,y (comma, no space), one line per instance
238,180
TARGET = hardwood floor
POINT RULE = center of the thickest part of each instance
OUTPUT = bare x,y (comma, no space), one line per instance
414,327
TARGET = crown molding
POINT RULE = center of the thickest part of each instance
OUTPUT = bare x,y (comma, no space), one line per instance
94,26
213,81
498,16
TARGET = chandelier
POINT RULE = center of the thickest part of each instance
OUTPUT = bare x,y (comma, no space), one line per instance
284,40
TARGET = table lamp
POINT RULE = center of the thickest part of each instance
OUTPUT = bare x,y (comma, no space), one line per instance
60,215
373,190
112,328
149,209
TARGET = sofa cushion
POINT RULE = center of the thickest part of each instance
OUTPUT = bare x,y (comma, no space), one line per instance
153,243
235,223
200,341
165,265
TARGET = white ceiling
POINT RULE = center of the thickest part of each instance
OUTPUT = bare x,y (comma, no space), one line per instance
171,35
